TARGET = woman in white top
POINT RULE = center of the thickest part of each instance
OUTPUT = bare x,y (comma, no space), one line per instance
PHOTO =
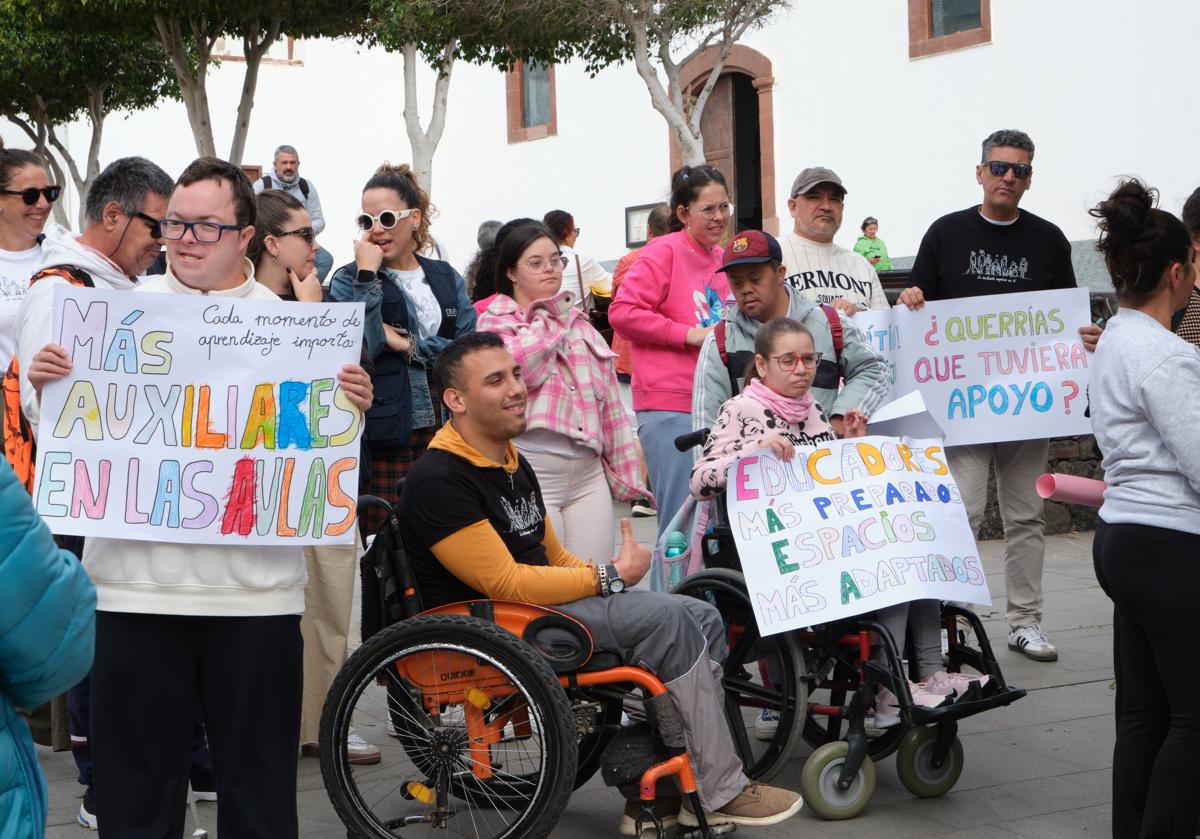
562,225
1147,547
25,198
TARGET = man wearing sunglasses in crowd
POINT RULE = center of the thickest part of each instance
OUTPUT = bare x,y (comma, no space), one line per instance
997,248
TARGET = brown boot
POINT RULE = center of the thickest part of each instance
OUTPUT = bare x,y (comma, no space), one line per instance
757,805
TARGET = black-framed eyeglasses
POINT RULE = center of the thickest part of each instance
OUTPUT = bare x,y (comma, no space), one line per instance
155,224
999,168
30,196
387,219
787,361
306,233
207,232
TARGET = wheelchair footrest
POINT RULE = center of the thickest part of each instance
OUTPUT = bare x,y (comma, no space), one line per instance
965,707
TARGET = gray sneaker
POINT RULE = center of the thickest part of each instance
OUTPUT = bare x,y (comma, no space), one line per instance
1033,642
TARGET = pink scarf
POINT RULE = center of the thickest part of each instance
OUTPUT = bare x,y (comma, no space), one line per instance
794,411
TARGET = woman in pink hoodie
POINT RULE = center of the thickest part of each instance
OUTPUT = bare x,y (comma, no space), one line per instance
668,303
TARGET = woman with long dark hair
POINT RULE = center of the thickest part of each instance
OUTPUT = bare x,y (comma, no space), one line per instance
415,306
667,305
1147,545
578,438
26,196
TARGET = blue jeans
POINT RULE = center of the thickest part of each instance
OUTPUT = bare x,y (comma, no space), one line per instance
669,468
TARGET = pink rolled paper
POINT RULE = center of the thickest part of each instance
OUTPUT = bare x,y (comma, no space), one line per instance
1071,489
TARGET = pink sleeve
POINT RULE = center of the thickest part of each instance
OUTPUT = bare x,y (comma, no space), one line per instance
635,312
534,345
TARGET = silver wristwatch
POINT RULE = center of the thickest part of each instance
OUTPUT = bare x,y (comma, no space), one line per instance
610,579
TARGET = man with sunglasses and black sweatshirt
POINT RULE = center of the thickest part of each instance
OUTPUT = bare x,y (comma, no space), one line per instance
997,248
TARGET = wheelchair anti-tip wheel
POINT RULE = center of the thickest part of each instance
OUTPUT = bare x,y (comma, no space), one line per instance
915,763
766,696
477,735
819,783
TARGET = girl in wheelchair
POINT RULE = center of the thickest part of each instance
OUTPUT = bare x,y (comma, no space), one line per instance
776,411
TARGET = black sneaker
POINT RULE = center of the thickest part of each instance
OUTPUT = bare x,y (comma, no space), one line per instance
642,509
87,811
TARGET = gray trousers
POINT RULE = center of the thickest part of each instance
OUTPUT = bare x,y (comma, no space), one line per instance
923,619
680,640
1018,466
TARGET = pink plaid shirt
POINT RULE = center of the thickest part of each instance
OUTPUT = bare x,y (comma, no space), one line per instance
572,379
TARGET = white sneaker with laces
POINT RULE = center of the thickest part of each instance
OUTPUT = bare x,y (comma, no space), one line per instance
361,753
765,725
1033,643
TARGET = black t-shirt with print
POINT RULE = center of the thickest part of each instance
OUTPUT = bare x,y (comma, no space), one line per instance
445,493
965,255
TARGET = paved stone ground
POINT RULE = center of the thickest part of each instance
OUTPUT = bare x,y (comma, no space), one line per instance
1039,768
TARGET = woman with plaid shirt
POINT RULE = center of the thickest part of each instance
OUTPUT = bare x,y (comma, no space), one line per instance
578,437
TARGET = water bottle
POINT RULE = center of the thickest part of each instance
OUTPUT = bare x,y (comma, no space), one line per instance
676,546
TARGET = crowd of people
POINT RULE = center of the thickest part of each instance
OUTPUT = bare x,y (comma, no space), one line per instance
503,424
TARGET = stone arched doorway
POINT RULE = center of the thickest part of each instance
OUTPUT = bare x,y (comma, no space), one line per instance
739,129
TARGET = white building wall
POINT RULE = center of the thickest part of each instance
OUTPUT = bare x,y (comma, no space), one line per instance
1099,84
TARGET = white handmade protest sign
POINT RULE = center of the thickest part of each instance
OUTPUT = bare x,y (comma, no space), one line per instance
993,368
849,527
188,418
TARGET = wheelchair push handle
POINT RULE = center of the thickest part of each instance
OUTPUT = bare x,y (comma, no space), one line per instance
684,442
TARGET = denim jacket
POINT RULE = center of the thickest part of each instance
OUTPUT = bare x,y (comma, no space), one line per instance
458,318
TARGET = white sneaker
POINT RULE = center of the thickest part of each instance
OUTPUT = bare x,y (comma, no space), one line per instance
361,753
765,725
1033,642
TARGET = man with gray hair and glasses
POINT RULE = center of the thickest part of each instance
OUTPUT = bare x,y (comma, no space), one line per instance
286,176
997,248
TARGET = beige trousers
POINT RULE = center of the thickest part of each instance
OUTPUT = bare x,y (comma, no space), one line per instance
1018,466
325,625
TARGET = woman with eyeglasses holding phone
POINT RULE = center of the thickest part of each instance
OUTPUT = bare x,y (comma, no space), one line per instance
578,438
415,306
25,198
666,307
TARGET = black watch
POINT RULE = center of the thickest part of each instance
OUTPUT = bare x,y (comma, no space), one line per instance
615,584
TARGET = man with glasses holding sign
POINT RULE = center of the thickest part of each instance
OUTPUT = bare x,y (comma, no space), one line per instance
997,248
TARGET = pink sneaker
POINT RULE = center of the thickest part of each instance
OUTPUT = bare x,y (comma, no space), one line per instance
955,683
887,704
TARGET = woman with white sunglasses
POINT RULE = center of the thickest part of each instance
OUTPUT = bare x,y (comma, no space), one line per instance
415,306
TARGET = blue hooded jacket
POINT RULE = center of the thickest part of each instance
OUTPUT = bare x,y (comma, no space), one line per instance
47,635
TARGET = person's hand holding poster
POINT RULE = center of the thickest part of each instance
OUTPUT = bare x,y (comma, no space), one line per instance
850,527
199,419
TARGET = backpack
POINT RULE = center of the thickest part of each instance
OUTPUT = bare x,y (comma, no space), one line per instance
266,182
735,365
20,449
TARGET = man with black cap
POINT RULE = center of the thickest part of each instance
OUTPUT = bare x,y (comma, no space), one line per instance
754,267
822,271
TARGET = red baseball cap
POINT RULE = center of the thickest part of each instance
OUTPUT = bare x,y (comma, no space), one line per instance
751,247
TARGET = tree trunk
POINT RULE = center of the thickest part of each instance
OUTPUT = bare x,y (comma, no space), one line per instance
192,85
424,142
254,51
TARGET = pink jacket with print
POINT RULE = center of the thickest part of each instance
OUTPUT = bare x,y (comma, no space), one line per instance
741,426
572,379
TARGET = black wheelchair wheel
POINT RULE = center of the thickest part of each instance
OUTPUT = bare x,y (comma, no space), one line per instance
476,734
766,695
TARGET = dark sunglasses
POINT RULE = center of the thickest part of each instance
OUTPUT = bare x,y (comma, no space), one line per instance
30,196
305,233
999,169
155,224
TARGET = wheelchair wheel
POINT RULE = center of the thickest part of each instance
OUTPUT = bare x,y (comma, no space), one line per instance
818,782
477,735
766,696
835,690
914,763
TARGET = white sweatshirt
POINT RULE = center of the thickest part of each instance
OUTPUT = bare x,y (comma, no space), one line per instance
164,578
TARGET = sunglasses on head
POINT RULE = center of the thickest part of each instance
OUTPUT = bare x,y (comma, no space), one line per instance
305,233
30,196
387,219
999,169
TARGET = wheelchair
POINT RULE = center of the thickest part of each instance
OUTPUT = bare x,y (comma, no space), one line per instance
818,686
489,713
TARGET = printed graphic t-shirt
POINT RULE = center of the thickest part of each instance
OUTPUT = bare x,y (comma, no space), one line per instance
965,255
826,272
429,313
16,267
444,493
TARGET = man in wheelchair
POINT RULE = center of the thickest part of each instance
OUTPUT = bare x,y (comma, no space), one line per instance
475,527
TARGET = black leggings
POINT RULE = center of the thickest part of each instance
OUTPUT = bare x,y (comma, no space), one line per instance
1152,576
